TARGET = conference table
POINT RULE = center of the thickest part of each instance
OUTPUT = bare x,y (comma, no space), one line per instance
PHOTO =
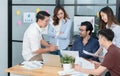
44,71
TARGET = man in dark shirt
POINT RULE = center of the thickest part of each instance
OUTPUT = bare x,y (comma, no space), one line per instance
85,41
111,60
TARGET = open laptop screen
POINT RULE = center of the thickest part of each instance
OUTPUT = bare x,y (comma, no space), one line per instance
69,53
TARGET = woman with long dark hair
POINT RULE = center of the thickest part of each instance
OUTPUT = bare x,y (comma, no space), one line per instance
108,20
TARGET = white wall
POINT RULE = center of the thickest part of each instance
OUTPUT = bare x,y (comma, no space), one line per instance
3,37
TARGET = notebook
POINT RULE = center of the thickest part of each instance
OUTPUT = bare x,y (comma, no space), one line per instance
51,60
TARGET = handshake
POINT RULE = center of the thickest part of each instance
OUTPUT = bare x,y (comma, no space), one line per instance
52,47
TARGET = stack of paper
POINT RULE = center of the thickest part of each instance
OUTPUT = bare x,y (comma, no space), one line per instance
71,72
32,64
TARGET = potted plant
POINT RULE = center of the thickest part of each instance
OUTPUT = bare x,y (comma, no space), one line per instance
67,62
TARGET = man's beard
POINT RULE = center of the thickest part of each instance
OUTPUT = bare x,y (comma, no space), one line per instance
81,37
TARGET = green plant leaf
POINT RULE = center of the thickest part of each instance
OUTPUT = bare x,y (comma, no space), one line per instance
67,59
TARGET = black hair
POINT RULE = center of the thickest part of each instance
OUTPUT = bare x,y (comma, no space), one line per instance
88,25
107,33
41,15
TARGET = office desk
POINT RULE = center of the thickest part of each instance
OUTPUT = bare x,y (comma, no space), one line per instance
44,71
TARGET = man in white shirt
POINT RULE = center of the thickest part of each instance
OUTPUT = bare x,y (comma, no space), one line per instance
33,40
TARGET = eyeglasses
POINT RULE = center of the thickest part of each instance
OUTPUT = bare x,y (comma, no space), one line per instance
81,30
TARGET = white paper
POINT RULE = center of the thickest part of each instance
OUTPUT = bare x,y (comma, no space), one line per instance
71,72
88,53
32,64
84,63
91,54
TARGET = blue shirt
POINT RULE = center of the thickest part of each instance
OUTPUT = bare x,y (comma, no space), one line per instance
61,40
92,46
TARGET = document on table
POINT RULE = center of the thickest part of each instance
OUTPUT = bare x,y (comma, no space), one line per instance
71,72
84,63
32,64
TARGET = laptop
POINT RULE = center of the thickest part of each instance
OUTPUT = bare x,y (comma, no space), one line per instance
51,60
69,53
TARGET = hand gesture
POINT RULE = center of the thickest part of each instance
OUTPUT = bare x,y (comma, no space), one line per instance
77,67
97,64
53,48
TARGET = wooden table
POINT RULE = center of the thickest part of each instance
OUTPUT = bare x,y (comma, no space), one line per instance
44,71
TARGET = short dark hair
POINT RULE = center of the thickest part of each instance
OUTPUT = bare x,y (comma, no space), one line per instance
41,15
88,25
107,33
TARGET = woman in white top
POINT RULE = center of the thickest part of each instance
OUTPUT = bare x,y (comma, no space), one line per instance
108,20
60,28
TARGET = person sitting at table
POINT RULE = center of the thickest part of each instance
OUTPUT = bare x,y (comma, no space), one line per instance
85,41
111,60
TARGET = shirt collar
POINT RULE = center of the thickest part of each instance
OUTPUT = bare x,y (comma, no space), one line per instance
38,27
